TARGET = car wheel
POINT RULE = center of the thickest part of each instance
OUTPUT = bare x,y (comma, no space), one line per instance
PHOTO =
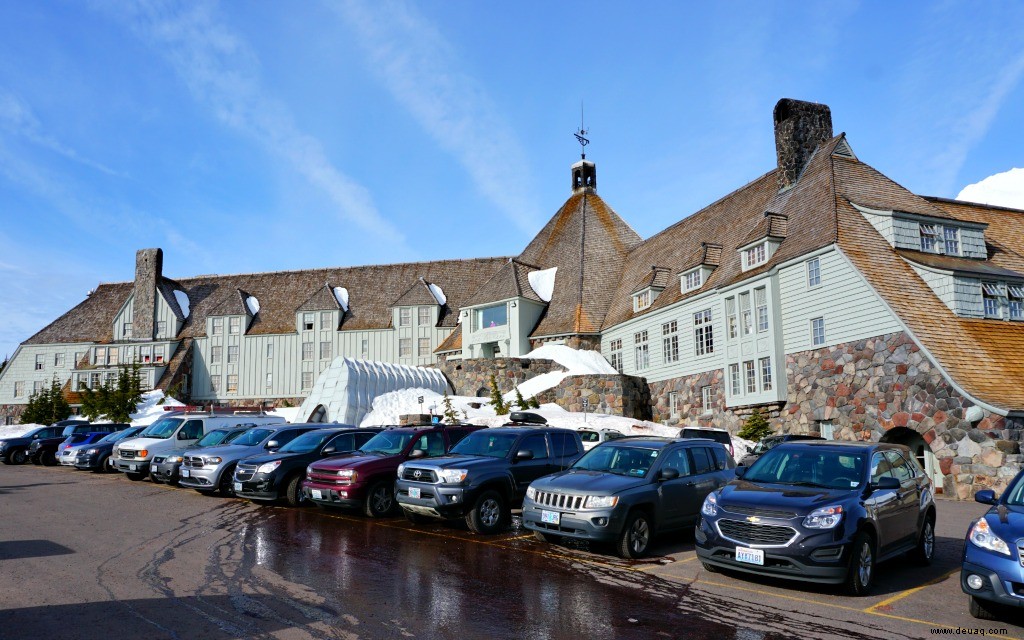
414,518
18,456
635,537
225,488
101,466
47,459
380,500
293,493
925,549
862,565
710,568
134,476
489,514
980,609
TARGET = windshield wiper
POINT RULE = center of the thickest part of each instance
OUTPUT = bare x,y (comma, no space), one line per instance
808,483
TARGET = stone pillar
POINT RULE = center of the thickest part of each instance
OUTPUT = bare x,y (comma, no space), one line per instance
799,128
149,265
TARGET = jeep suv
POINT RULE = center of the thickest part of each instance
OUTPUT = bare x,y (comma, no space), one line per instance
627,491
485,476
166,467
365,479
824,512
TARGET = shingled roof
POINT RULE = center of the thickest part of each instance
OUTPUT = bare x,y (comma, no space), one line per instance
418,293
323,299
511,281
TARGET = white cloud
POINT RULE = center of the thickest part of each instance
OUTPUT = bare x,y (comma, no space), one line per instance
420,69
1004,189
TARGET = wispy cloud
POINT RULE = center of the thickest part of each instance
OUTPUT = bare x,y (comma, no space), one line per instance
222,72
420,69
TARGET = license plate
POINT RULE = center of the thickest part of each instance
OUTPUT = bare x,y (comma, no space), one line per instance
750,556
414,492
185,473
133,467
550,517
238,486
317,494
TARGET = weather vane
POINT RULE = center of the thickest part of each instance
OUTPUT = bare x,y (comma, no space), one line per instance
581,136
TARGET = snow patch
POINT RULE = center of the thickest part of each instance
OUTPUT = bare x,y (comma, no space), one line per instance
18,430
288,413
148,411
253,304
437,293
341,295
1004,189
543,283
182,299
578,362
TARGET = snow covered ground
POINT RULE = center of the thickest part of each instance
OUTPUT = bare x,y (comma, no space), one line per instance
149,411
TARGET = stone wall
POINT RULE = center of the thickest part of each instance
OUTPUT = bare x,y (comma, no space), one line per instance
472,377
618,395
583,343
11,413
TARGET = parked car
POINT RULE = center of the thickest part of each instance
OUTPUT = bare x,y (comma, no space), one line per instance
992,572
718,435
765,444
279,475
15,450
485,476
174,430
627,491
97,457
67,451
44,450
212,469
593,437
365,479
165,468
825,512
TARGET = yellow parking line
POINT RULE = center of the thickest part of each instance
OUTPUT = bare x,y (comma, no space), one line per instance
910,592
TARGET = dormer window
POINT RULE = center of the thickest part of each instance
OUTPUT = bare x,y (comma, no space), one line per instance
642,300
929,237
1016,298
755,255
495,316
951,235
693,279
990,294
937,238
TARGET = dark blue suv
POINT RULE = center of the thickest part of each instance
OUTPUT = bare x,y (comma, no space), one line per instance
993,564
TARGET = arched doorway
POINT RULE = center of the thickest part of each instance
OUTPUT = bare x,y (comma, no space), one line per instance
318,414
925,457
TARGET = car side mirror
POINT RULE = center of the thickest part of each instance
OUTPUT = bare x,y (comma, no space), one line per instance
886,483
183,436
417,453
986,496
668,474
271,445
741,471
524,454
329,449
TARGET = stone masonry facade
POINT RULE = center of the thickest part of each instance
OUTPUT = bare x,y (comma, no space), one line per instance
620,395
472,377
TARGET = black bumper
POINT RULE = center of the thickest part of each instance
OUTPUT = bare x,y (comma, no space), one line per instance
994,588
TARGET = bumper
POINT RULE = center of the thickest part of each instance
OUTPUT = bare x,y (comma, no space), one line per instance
86,461
165,471
817,558
601,525
133,466
203,478
436,500
258,487
352,496
67,461
994,588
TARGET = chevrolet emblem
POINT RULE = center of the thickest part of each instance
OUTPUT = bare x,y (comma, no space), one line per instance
753,519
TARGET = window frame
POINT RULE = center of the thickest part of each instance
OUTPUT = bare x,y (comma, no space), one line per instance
755,256
813,272
216,353
693,280
735,382
232,383
40,361
670,341
405,316
422,352
307,350
703,333
232,354
217,326
642,300
750,377
405,347
948,241
423,316
234,325
641,350
308,321
329,349
765,368
814,332
707,399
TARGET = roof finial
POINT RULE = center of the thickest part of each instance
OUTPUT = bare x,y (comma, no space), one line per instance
581,135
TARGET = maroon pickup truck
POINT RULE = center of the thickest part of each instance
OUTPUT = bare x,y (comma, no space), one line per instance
365,479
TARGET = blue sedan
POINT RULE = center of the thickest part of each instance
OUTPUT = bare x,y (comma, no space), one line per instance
993,564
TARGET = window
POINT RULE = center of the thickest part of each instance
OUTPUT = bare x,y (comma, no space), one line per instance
307,350
818,332
423,350
562,444
218,326
990,293
215,384
325,320
880,467
929,236
307,321
19,389
101,356
1016,302
405,347
761,309
496,316
642,355
536,444
748,368
730,318
703,336
110,379
233,355
693,280
826,429
146,354
754,256
126,330
424,316
158,354
234,325
701,461
670,341
37,386
270,381
270,351
216,354
404,317
325,350
813,272
94,380
642,300
58,359
734,379
364,349
707,398
78,358
615,355
951,235
766,374
899,466
232,383
746,318
673,404
307,379
40,362
161,328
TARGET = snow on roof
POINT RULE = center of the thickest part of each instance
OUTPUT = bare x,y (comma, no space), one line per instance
543,283
437,293
182,299
578,362
341,295
253,304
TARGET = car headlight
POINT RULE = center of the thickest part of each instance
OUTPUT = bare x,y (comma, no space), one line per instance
174,459
268,467
824,518
157,460
710,506
601,502
92,451
401,469
347,474
213,460
981,536
531,493
142,454
452,476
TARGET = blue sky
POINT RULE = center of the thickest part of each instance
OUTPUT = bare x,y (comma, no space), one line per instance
256,136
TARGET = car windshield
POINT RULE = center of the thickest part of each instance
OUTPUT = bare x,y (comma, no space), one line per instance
111,437
1015,493
622,461
75,438
252,437
216,436
765,445
809,468
589,436
162,428
486,443
388,442
306,442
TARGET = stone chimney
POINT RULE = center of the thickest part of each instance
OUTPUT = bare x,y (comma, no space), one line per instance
799,128
149,266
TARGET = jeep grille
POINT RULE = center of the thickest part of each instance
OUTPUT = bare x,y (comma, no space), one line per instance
559,500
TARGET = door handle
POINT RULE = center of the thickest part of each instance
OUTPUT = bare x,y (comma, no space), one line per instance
689,484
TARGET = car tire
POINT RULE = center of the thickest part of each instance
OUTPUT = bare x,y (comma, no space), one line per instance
293,493
925,549
380,500
225,488
861,573
489,514
980,609
18,456
101,466
135,476
47,459
414,518
710,568
635,538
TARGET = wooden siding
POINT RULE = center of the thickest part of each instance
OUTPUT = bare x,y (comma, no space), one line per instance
972,243
906,234
883,224
22,368
941,284
968,301
124,315
165,314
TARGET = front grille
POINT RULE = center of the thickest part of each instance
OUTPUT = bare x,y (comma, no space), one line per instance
244,472
196,462
559,500
127,454
756,534
757,511
419,475
1020,552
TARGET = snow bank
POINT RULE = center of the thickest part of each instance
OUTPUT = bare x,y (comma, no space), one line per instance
182,299
17,430
1004,189
437,293
341,295
253,304
148,411
577,362
543,283
288,413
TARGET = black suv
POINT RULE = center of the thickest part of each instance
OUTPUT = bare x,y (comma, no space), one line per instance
15,450
766,444
485,476
43,450
628,490
824,512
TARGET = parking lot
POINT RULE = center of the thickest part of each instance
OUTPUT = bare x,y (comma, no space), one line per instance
88,556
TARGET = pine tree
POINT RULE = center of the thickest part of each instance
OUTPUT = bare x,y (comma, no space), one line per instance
450,417
497,402
520,402
115,401
46,406
32,414
756,427
58,405
534,403
3,365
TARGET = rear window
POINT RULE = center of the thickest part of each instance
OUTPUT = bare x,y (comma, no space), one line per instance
589,436
717,436
563,444
701,460
720,458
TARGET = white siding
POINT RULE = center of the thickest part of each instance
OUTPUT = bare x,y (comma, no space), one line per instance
166,315
940,283
22,368
883,224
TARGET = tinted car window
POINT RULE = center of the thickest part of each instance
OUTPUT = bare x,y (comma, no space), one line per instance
717,436
880,467
431,443
454,435
831,469
363,438
679,461
718,454
900,468
589,436
536,444
486,443
563,444
284,437
252,437
623,461
701,462
192,430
